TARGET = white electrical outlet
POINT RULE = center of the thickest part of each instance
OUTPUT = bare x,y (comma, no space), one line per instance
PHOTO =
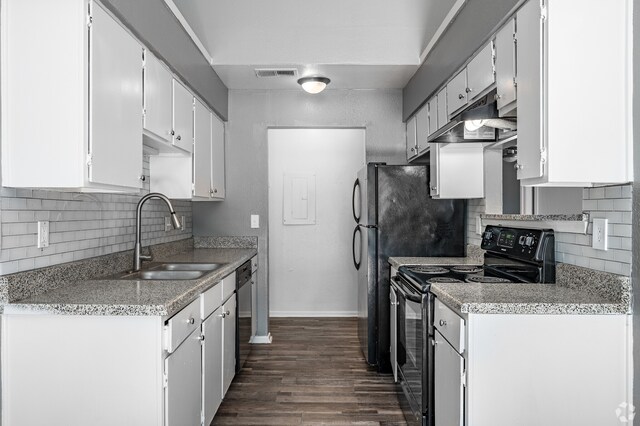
168,226
255,221
478,225
43,233
600,239
183,223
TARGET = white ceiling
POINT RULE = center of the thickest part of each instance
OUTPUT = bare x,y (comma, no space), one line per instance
358,44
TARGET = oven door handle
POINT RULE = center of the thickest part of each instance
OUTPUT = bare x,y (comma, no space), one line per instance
408,295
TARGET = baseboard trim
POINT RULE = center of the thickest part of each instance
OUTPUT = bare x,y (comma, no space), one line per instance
261,340
313,314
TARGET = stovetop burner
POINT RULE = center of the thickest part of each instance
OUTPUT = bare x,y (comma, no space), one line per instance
486,280
429,270
466,269
443,280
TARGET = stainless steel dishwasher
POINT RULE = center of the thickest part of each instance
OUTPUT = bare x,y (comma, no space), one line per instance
243,314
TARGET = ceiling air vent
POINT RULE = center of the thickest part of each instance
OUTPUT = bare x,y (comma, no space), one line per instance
274,72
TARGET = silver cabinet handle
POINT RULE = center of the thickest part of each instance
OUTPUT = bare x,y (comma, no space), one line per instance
142,178
460,96
222,315
191,321
443,323
228,313
201,338
179,137
215,191
413,149
172,132
469,90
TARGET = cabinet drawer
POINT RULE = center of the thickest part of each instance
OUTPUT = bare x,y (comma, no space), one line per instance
182,324
210,300
228,286
450,325
254,264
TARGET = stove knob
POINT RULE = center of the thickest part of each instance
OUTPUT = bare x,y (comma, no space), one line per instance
528,242
488,235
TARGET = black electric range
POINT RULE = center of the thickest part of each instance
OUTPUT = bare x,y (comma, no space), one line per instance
512,255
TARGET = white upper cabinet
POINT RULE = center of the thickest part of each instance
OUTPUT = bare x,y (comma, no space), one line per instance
218,191
422,129
202,151
480,72
72,113
412,143
564,139
456,93
432,105
456,170
182,117
158,87
505,46
441,100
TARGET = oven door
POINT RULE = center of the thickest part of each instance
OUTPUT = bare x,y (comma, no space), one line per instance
412,347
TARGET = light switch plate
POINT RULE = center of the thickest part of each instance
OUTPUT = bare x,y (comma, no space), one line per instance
600,239
43,233
255,221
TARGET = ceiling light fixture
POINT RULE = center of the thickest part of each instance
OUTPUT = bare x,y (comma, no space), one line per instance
313,85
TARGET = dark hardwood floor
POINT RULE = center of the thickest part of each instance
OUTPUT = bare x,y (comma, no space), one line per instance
312,374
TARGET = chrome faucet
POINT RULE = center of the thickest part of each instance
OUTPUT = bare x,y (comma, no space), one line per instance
137,257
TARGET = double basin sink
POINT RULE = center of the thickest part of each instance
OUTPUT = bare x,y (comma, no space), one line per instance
172,271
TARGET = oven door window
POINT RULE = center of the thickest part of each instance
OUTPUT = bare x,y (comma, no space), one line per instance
410,341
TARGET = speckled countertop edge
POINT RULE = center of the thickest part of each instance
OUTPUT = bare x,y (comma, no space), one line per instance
537,217
106,296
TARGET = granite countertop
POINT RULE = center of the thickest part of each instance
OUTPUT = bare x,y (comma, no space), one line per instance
396,262
105,296
470,298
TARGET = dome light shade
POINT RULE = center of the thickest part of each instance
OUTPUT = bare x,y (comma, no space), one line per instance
313,85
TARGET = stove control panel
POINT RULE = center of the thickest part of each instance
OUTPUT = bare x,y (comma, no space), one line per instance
522,243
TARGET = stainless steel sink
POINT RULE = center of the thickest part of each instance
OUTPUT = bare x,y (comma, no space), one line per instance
173,271
164,275
189,266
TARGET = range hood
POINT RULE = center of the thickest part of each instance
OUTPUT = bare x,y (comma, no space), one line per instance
479,122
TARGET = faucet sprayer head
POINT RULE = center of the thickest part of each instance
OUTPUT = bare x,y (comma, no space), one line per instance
176,222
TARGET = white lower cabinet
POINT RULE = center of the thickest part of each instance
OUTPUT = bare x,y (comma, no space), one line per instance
212,365
228,343
530,369
183,392
449,386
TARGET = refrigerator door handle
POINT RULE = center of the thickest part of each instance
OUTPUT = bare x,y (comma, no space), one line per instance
369,226
357,262
356,186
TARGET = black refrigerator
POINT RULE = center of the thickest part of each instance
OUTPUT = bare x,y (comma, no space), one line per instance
396,217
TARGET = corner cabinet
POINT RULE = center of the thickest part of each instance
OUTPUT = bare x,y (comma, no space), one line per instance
71,114
566,135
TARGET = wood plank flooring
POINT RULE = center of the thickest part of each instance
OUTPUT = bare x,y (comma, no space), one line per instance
312,374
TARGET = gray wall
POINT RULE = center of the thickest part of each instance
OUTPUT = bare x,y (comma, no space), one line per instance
635,264
251,113
154,24
465,35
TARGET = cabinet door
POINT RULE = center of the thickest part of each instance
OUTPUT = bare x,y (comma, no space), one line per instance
115,125
457,92
157,98
480,72
212,365
183,394
217,158
201,151
228,343
393,324
449,388
460,171
530,120
412,137
441,100
434,156
506,64
182,117
432,106
422,128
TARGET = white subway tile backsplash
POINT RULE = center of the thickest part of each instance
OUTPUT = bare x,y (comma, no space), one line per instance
589,204
622,204
613,192
626,191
